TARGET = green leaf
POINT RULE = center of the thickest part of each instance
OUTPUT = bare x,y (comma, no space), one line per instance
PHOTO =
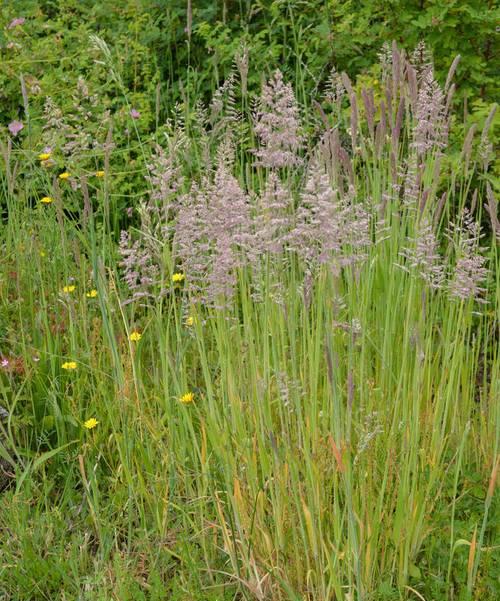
39,461
49,454
48,422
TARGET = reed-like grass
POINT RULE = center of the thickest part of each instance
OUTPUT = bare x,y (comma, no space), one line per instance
342,440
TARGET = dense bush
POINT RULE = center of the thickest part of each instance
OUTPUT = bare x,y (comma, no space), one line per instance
189,52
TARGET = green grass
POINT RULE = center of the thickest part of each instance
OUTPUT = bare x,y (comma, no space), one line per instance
319,460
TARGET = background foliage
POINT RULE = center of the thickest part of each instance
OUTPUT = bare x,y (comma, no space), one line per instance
191,51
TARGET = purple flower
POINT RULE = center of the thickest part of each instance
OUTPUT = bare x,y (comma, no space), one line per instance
16,22
15,127
4,363
134,113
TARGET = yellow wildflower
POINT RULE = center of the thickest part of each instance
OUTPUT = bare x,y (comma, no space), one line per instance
91,293
100,173
186,398
47,200
135,336
69,289
189,320
69,365
43,253
178,277
64,175
90,423
44,156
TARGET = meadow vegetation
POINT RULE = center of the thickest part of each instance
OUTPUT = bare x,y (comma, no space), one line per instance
249,336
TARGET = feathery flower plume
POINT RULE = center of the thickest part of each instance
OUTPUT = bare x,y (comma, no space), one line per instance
55,126
223,105
241,61
140,271
492,208
317,230
470,270
369,106
385,59
165,179
191,244
142,259
421,58
485,149
329,227
334,88
431,129
277,125
273,219
423,256
228,230
212,231
412,179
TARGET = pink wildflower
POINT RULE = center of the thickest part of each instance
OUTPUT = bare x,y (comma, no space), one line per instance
134,113
16,22
15,127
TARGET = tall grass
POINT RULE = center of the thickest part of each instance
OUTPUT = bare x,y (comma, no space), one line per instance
342,441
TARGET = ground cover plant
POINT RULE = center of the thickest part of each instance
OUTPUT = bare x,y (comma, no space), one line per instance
250,351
